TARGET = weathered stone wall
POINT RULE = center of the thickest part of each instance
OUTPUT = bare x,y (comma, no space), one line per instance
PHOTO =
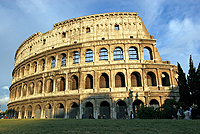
64,68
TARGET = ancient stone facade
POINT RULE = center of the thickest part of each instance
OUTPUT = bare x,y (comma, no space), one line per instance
98,64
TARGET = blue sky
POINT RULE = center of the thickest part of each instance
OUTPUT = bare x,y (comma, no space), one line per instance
175,24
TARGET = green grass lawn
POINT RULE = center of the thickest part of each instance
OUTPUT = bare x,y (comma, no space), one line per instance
58,126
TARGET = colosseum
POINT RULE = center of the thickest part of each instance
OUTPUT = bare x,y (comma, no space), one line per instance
97,64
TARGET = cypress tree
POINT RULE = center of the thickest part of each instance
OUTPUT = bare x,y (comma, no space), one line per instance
198,85
183,87
192,81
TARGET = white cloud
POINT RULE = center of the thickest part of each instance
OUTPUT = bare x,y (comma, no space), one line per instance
180,41
5,87
4,101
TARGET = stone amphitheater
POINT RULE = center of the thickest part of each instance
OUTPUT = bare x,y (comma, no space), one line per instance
98,64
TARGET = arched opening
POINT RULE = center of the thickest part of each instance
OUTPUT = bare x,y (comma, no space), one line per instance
88,109
23,68
118,54
74,111
31,88
136,106
151,79
89,82
165,79
147,53
24,90
103,54
40,85
60,111
74,85
136,80
119,80
49,86
19,92
37,111
76,57
27,69
133,54
17,113
29,109
63,62
23,112
35,66
121,106
154,103
43,64
62,84
89,56
47,111
104,81
105,110
53,62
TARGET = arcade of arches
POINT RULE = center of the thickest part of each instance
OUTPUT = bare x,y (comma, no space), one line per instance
95,64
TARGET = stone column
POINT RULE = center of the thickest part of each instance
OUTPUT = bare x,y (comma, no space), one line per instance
140,53
42,113
35,87
66,81
54,85
57,60
19,115
43,85
66,110
153,51
158,79
52,110
22,88
171,78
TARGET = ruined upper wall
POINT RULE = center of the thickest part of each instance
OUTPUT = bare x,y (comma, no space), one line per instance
84,29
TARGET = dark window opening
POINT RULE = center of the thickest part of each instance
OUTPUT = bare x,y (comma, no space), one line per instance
43,65
165,79
89,82
87,30
116,27
63,35
104,81
62,84
131,36
135,80
119,80
151,79
44,41
35,63
74,82
50,86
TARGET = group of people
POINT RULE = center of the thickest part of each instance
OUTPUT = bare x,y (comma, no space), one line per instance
126,116
181,114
